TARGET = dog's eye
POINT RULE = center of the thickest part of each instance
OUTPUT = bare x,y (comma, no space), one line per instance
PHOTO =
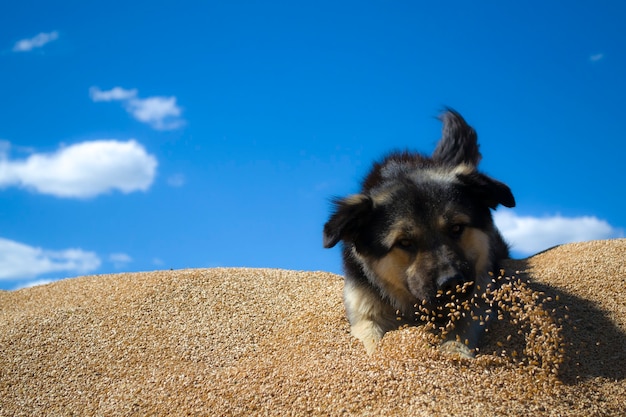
406,244
457,230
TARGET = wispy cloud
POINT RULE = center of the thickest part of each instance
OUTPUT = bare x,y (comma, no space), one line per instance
34,283
6,147
26,45
161,113
82,170
19,261
596,57
529,235
116,93
176,180
120,260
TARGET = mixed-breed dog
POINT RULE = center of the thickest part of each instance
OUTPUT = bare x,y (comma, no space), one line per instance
420,236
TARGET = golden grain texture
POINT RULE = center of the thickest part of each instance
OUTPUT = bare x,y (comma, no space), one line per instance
275,342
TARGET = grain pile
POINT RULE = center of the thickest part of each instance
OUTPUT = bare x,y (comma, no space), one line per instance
275,342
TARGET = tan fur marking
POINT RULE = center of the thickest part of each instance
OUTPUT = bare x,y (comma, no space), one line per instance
391,269
446,174
463,169
456,218
354,199
400,229
475,244
384,195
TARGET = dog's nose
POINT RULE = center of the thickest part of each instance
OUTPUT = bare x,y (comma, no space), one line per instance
450,283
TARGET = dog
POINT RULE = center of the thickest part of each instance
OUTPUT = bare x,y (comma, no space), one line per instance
418,235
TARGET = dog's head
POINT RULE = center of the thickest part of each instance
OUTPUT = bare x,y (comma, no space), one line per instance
422,225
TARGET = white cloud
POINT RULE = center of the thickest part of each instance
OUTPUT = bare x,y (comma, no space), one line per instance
38,41
596,57
19,261
34,283
117,93
529,235
176,180
161,113
120,260
83,170
6,147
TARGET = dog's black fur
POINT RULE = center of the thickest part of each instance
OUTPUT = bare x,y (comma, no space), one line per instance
421,226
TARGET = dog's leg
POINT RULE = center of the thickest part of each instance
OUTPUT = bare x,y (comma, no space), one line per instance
468,331
464,339
369,316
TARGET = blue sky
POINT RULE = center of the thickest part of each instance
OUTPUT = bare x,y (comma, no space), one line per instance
138,136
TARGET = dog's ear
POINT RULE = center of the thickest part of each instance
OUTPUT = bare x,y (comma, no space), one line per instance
487,190
350,214
459,141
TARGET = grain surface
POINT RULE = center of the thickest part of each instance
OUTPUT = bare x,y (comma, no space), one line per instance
276,342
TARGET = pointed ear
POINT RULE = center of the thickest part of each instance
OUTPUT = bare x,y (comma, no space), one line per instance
350,213
458,143
488,190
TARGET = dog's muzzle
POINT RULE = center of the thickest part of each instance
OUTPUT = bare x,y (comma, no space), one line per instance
453,284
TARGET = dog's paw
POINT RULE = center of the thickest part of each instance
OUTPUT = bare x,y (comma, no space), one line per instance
368,333
370,346
452,347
